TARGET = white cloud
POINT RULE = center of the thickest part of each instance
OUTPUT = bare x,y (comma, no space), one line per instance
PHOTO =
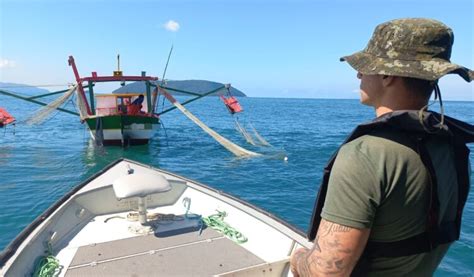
172,26
4,63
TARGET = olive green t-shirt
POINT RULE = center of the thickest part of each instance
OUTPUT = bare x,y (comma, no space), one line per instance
379,183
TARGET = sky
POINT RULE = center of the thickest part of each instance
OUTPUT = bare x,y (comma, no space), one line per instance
264,48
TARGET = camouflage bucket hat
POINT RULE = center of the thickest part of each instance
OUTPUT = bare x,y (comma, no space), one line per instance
411,47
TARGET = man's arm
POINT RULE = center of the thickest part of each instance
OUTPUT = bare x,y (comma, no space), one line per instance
335,252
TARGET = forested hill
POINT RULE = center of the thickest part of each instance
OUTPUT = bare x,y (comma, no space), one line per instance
22,89
196,86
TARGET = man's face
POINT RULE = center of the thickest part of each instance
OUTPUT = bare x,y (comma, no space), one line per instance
370,89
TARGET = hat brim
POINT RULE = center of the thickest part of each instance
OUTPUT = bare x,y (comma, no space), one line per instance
433,69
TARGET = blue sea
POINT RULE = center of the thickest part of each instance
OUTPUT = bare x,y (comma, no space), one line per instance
39,164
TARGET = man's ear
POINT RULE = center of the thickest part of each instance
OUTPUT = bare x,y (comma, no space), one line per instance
388,80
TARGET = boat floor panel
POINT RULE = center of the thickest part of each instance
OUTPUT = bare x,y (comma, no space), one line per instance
204,255
136,245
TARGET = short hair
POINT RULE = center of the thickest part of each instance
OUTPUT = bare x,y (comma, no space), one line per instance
423,88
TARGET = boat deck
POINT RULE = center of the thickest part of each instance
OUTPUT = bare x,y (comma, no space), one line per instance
113,250
188,254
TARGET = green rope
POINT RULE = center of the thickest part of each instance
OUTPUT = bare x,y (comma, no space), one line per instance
47,266
216,222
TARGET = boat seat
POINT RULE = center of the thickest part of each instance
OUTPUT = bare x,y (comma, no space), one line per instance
140,185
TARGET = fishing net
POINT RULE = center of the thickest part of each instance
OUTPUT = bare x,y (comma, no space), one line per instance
235,149
261,140
234,107
43,113
244,132
255,139
81,106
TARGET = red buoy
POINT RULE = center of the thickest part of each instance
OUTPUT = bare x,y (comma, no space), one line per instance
5,118
232,104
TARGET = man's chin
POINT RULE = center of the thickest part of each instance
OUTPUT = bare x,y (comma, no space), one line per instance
364,100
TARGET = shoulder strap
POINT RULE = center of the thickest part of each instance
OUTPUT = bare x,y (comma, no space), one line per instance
461,154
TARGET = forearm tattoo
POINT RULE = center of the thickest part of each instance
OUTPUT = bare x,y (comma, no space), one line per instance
328,256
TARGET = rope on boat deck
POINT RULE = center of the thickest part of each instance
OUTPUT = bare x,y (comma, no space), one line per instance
216,222
47,266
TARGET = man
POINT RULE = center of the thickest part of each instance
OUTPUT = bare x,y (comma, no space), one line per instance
139,100
391,199
136,106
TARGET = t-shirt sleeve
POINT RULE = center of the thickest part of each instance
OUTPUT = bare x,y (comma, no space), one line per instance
354,190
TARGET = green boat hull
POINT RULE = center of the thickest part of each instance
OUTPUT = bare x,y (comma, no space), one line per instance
122,129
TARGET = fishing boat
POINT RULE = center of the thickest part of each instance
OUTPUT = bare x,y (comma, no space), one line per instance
117,119
125,118
131,219
114,118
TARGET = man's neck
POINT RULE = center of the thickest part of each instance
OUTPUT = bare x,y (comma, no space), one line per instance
399,100
382,110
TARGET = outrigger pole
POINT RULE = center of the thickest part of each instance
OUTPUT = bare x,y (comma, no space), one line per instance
31,99
198,96
48,94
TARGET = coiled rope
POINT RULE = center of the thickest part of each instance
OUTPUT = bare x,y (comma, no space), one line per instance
47,266
216,222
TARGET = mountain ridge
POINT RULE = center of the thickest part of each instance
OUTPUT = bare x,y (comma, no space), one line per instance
195,86
22,88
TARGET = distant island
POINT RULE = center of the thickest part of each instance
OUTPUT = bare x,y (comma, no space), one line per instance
22,89
196,86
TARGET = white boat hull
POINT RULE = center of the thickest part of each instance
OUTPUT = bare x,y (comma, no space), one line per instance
90,235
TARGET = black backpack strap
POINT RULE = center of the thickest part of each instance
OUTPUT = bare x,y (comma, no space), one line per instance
417,244
433,207
319,202
461,154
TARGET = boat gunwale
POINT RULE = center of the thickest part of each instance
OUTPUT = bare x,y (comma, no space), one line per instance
237,199
13,246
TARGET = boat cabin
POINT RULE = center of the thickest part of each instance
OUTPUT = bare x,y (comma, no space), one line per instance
120,104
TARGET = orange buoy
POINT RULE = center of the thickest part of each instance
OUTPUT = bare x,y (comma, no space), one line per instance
5,118
232,104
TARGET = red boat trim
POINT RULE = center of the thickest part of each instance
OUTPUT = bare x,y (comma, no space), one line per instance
118,78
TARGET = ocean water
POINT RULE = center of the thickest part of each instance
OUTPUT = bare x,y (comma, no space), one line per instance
39,164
